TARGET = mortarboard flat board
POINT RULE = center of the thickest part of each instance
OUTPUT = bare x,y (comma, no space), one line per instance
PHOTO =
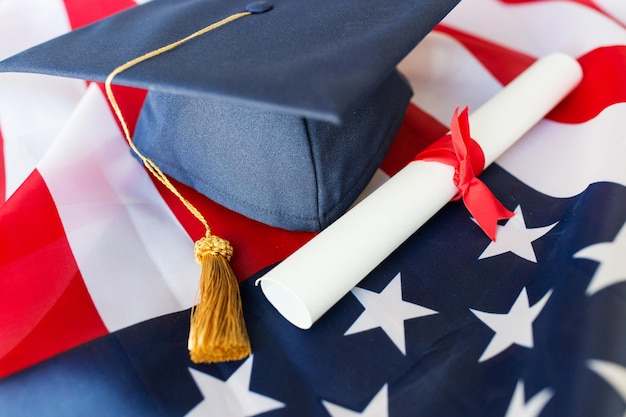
282,116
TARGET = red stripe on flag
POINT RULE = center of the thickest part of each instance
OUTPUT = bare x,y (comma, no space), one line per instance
81,14
3,175
602,85
44,305
586,3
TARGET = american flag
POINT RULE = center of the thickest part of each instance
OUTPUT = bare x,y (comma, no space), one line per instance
97,277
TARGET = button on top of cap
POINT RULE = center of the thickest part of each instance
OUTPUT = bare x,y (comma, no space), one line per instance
259,7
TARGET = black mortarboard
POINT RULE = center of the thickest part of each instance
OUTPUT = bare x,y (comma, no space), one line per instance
282,116
281,113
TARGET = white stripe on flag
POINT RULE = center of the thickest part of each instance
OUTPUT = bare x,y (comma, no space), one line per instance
537,28
443,75
136,260
33,108
616,8
562,159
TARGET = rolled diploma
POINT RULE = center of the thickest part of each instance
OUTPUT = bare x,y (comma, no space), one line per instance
309,282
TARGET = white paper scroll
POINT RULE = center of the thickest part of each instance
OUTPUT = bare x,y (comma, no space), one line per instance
308,283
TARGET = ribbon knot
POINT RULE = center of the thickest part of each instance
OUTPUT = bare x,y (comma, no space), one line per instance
465,155
214,246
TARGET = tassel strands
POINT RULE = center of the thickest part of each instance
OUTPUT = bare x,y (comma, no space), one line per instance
217,330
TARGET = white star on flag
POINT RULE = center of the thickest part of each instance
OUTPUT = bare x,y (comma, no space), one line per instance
377,407
612,373
610,256
519,407
386,310
514,327
231,397
516,238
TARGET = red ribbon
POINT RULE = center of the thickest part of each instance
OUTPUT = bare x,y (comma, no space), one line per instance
465,155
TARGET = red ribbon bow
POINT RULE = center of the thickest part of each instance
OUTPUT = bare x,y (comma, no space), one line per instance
460,151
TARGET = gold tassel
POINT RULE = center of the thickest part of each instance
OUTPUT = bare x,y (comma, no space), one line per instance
217,330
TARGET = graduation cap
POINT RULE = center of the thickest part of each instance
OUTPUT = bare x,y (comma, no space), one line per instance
281,112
